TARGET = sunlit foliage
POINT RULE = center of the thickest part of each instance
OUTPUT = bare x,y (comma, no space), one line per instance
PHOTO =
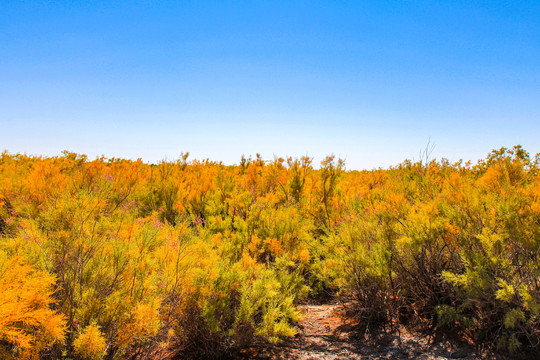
27,323
117,259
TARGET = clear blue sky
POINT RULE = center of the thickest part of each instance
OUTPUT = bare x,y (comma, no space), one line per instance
370,81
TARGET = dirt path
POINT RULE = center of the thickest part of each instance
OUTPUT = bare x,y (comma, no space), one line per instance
326,334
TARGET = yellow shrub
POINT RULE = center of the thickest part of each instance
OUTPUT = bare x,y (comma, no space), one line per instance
90,344
144,324
26,321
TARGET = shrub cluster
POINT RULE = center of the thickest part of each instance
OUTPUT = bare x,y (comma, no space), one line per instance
114,259
448,247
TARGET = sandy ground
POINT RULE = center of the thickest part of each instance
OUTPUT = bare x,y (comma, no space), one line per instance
325,333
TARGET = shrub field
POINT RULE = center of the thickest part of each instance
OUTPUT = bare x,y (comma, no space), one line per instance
119,259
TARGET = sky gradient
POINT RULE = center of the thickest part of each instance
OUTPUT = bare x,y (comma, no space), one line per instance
369,81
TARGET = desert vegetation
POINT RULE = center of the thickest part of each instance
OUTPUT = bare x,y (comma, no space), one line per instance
119,259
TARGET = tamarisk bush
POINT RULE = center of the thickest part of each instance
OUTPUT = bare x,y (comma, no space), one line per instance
118,259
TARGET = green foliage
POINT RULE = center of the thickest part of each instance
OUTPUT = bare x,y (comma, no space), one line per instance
197,258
